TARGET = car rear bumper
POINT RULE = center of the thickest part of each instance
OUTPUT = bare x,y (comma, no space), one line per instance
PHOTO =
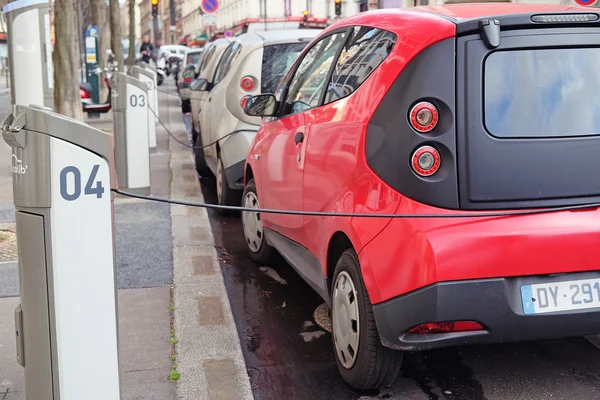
184,91
235,175
494,303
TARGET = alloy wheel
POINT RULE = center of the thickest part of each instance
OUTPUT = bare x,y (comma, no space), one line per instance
253,228
345,321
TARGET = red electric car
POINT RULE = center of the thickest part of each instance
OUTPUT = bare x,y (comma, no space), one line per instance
446,110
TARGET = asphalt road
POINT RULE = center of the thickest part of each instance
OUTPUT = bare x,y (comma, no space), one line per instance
289,357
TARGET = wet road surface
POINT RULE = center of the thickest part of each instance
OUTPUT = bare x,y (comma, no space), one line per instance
289,357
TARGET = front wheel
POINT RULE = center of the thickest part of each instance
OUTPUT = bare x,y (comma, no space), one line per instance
199,156
362,360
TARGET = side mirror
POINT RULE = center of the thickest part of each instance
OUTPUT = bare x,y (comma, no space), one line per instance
189,73
262,105
199,85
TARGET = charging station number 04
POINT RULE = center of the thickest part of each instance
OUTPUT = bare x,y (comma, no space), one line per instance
92,186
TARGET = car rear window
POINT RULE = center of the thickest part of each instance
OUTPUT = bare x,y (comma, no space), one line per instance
542,93
193,58
277,59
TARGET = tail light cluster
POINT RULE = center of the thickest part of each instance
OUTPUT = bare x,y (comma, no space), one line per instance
83,94
187,80
247,83
425,160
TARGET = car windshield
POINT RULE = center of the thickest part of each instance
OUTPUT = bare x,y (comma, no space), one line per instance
193,58
277,59
543,93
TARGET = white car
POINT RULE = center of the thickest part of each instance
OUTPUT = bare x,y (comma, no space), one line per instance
191,58
253,63
205,69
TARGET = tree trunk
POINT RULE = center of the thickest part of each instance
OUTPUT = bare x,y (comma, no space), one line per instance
66,60
115,33
100,19
131,55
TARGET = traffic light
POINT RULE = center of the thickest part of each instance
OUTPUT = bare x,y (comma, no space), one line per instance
154,8
305,15
338,7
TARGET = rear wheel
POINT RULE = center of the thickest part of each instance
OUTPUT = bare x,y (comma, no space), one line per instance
199,156
186,106
362,360
260,251
225,195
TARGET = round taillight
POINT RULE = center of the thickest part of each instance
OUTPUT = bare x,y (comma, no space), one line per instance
424,116
426,161
244,101
247,83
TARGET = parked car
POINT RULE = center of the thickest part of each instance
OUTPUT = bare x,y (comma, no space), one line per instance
191,58
252,63
205,69
443,110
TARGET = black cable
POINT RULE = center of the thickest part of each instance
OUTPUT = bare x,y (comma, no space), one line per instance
363,215
203,146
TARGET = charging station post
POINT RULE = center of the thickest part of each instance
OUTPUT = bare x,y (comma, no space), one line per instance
132,143
152,69
66,322
30,50
145,75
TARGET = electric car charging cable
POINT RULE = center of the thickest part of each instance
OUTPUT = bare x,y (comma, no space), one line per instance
459,214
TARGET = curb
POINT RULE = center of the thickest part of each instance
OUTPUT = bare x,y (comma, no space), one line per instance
208,353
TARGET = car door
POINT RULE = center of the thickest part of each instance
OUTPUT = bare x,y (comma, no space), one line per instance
196,96
282,164
331,149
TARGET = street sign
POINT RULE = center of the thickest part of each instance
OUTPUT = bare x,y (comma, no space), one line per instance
209,6
227,33
585,2
209,20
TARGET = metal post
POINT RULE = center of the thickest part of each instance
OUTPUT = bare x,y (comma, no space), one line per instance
66,322
30,52
130,119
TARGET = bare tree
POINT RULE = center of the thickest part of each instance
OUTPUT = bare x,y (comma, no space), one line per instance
131,55
66,59
100,19
115,32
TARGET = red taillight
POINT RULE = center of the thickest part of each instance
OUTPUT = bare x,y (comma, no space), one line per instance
446,327
247,83
425,161
84,94
244,101
187,80
424,116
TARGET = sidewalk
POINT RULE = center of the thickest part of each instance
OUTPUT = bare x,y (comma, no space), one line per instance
170,286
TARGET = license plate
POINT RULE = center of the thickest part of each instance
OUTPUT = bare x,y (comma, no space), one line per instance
560,296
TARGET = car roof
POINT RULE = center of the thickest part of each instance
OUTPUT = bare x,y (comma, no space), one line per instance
479,10
277,36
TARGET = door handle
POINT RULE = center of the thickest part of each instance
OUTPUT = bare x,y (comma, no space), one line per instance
209,99
299,137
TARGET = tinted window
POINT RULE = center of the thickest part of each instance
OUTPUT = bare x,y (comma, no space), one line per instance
277,59
364,51
229,55
541,93
309,79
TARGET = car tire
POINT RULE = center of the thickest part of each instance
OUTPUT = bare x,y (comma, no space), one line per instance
370,365
199,157
225,195
260,251
186,106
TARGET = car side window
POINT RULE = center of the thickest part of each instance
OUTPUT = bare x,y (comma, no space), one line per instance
207,56
231,52
365,50
308,82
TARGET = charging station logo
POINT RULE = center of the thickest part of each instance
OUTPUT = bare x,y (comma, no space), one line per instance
17,166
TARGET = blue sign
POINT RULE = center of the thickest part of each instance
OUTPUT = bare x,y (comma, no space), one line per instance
92,31
210,6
